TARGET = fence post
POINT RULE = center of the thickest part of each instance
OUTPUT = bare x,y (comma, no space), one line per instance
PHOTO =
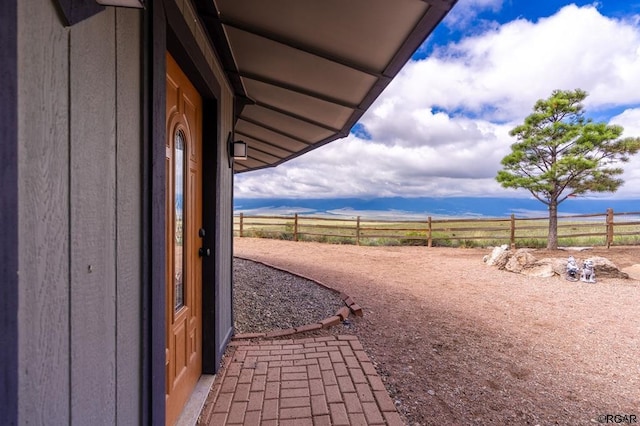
358,231
429,240
609,227
512,238
241,225
295,227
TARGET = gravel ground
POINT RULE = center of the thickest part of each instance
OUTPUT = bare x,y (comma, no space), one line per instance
459,342
266,299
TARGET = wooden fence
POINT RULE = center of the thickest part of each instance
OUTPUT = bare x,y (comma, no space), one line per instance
595,229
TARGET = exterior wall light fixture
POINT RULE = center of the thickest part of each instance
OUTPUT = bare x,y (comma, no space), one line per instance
237,150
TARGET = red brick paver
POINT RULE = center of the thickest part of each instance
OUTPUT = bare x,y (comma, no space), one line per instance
316,381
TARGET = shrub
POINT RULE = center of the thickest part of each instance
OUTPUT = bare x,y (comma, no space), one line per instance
419,238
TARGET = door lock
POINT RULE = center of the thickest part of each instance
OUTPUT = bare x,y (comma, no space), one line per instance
203,252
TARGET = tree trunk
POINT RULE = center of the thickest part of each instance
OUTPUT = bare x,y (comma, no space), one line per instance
552,238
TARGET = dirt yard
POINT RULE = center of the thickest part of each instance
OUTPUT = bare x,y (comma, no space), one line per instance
459,342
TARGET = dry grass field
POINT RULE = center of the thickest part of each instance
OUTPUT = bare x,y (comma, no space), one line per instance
459,342
578,230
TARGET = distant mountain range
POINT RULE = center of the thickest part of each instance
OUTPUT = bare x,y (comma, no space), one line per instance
394,207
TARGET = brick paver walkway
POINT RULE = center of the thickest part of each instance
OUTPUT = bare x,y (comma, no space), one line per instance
312,381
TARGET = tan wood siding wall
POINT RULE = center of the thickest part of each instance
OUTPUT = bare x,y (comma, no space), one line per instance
80,210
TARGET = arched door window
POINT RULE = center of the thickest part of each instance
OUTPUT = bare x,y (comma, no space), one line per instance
179,225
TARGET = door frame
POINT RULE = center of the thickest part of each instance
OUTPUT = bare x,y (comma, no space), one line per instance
183,322
165,30
9,291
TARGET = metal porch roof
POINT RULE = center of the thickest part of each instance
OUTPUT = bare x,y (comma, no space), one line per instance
304,71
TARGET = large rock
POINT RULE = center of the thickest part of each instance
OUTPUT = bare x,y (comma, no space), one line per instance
498,257
538,270
519,260
605,268
522,261
558,265
633,271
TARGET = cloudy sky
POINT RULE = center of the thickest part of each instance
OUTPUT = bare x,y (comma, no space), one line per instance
442,126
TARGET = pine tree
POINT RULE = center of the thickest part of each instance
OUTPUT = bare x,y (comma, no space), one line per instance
558,153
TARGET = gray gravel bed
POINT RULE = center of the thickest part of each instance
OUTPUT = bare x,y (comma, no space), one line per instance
266,299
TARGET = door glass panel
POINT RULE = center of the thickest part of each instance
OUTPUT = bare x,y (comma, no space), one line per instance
179,219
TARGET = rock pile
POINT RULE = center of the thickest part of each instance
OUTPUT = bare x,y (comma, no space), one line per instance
523,261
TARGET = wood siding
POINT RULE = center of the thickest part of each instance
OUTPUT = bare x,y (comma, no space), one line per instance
83,316
92,219
80,217
129,204
43,179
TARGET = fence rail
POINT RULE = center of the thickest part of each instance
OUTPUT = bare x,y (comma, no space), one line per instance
594,228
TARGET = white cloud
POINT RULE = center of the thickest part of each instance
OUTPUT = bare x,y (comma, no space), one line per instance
630,120
500,74
466,11
367,168
441,127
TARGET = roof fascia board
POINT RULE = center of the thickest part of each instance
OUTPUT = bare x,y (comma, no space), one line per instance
440,4
426,25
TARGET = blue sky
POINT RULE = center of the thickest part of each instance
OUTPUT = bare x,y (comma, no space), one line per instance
441,127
